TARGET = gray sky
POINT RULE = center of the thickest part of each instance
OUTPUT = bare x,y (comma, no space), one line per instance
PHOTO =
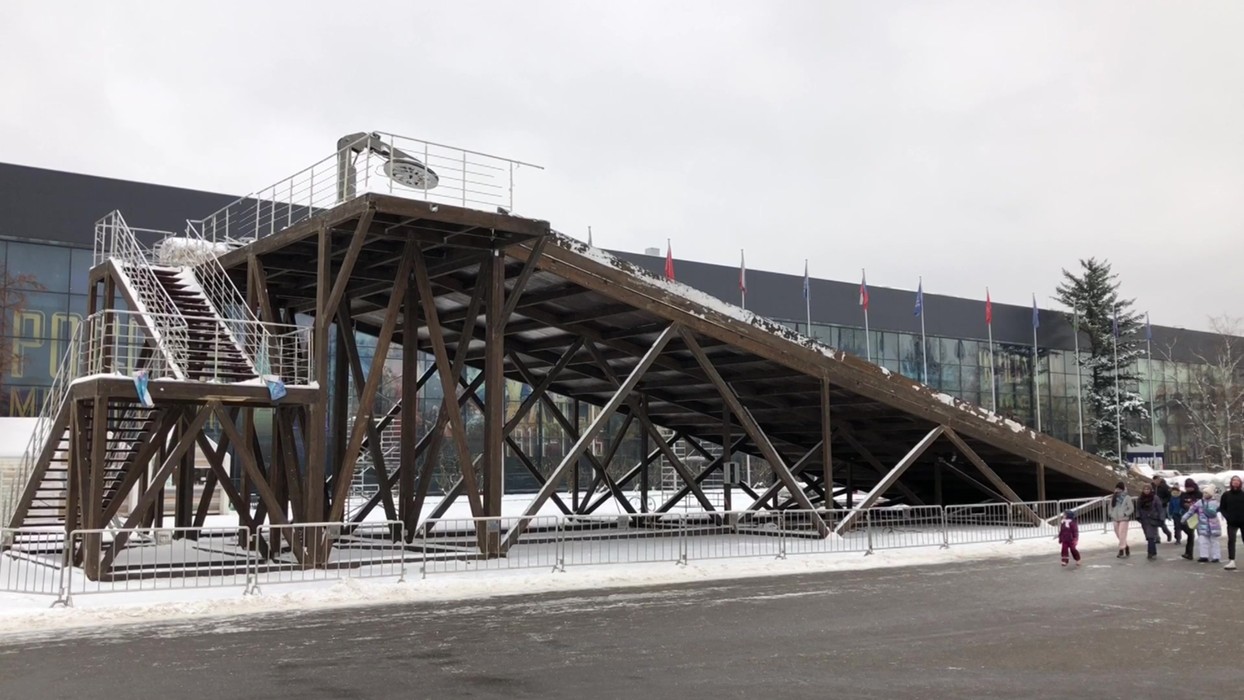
975,143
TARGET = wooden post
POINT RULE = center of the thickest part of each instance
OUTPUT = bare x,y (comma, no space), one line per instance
827,450
409,429
92,506
317,419
494,398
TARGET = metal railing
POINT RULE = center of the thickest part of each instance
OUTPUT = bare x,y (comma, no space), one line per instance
116,241
376,162
55,402
278,554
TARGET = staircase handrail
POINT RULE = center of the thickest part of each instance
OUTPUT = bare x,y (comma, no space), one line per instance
134,262
58,393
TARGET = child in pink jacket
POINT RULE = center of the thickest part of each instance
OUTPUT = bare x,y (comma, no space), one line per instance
1069,537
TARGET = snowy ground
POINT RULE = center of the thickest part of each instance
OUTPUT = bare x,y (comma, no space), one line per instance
24,613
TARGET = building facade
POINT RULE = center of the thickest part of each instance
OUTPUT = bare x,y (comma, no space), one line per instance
46,240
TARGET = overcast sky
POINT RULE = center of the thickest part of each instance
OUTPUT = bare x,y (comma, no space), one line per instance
974,143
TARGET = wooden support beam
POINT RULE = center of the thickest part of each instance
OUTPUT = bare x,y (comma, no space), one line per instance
796,469
216,461
149,496
848,436
347,265
92,505
317,439
448,378
827,441
408,460
367,398
349,348
494,387
166,419
992,476
524,276
749,425
890,478
580,446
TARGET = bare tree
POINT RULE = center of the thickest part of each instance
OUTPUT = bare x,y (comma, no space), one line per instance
13,290
1213,401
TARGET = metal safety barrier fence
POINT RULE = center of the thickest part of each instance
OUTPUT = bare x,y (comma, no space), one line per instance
147,559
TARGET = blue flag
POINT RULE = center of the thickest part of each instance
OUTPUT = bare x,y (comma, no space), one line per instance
1036,315
1148,328
807,292
919,299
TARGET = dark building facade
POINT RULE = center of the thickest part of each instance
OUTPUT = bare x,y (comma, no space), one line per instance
46,237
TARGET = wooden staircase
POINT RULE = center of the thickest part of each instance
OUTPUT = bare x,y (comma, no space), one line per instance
130,425
213,353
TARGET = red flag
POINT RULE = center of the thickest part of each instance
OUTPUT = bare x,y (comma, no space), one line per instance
864,292
669,261
988,308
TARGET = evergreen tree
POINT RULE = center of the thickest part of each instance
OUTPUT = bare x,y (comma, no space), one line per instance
1093,297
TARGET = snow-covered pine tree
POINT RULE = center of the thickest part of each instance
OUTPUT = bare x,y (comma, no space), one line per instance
1093,297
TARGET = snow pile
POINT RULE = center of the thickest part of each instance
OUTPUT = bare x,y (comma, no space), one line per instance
24,614
180,251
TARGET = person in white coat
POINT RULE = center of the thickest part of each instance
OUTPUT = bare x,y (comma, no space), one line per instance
1121,510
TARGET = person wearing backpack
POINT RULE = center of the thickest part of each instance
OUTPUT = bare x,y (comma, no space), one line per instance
1232,508
1203,517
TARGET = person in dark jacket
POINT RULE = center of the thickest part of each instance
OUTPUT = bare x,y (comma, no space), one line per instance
1163,493
1231,506
1069,537
1175,509
1190,496
1152,515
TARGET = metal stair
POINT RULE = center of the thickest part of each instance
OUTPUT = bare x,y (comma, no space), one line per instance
212,353
130,426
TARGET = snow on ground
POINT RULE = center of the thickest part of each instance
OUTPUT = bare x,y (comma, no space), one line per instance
26,613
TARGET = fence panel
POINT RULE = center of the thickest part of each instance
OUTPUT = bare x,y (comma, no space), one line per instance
1036,519
906,526
32,560
144,559
327,551
732,534
982,522
622,539
475,544
800,533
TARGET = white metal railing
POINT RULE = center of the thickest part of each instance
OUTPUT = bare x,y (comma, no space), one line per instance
116,240
192,557
375,162
70,369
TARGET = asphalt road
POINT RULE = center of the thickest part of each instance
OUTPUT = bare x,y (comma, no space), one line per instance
1013,628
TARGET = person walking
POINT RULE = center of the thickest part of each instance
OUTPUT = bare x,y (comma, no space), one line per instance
1152,516
1175,509
1121,511
1231,505
1163,493
1190,495
1204,515
1069,537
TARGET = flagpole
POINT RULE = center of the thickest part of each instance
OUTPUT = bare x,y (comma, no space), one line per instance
993,383
868,340
742,280
807,296
924,346
1118,403
1075,332
1036,364
1153,420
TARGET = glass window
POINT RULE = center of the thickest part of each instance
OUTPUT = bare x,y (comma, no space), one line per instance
79,270
44,266
33,316
32,361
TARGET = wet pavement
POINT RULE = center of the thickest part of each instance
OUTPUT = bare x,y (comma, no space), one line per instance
1008,628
